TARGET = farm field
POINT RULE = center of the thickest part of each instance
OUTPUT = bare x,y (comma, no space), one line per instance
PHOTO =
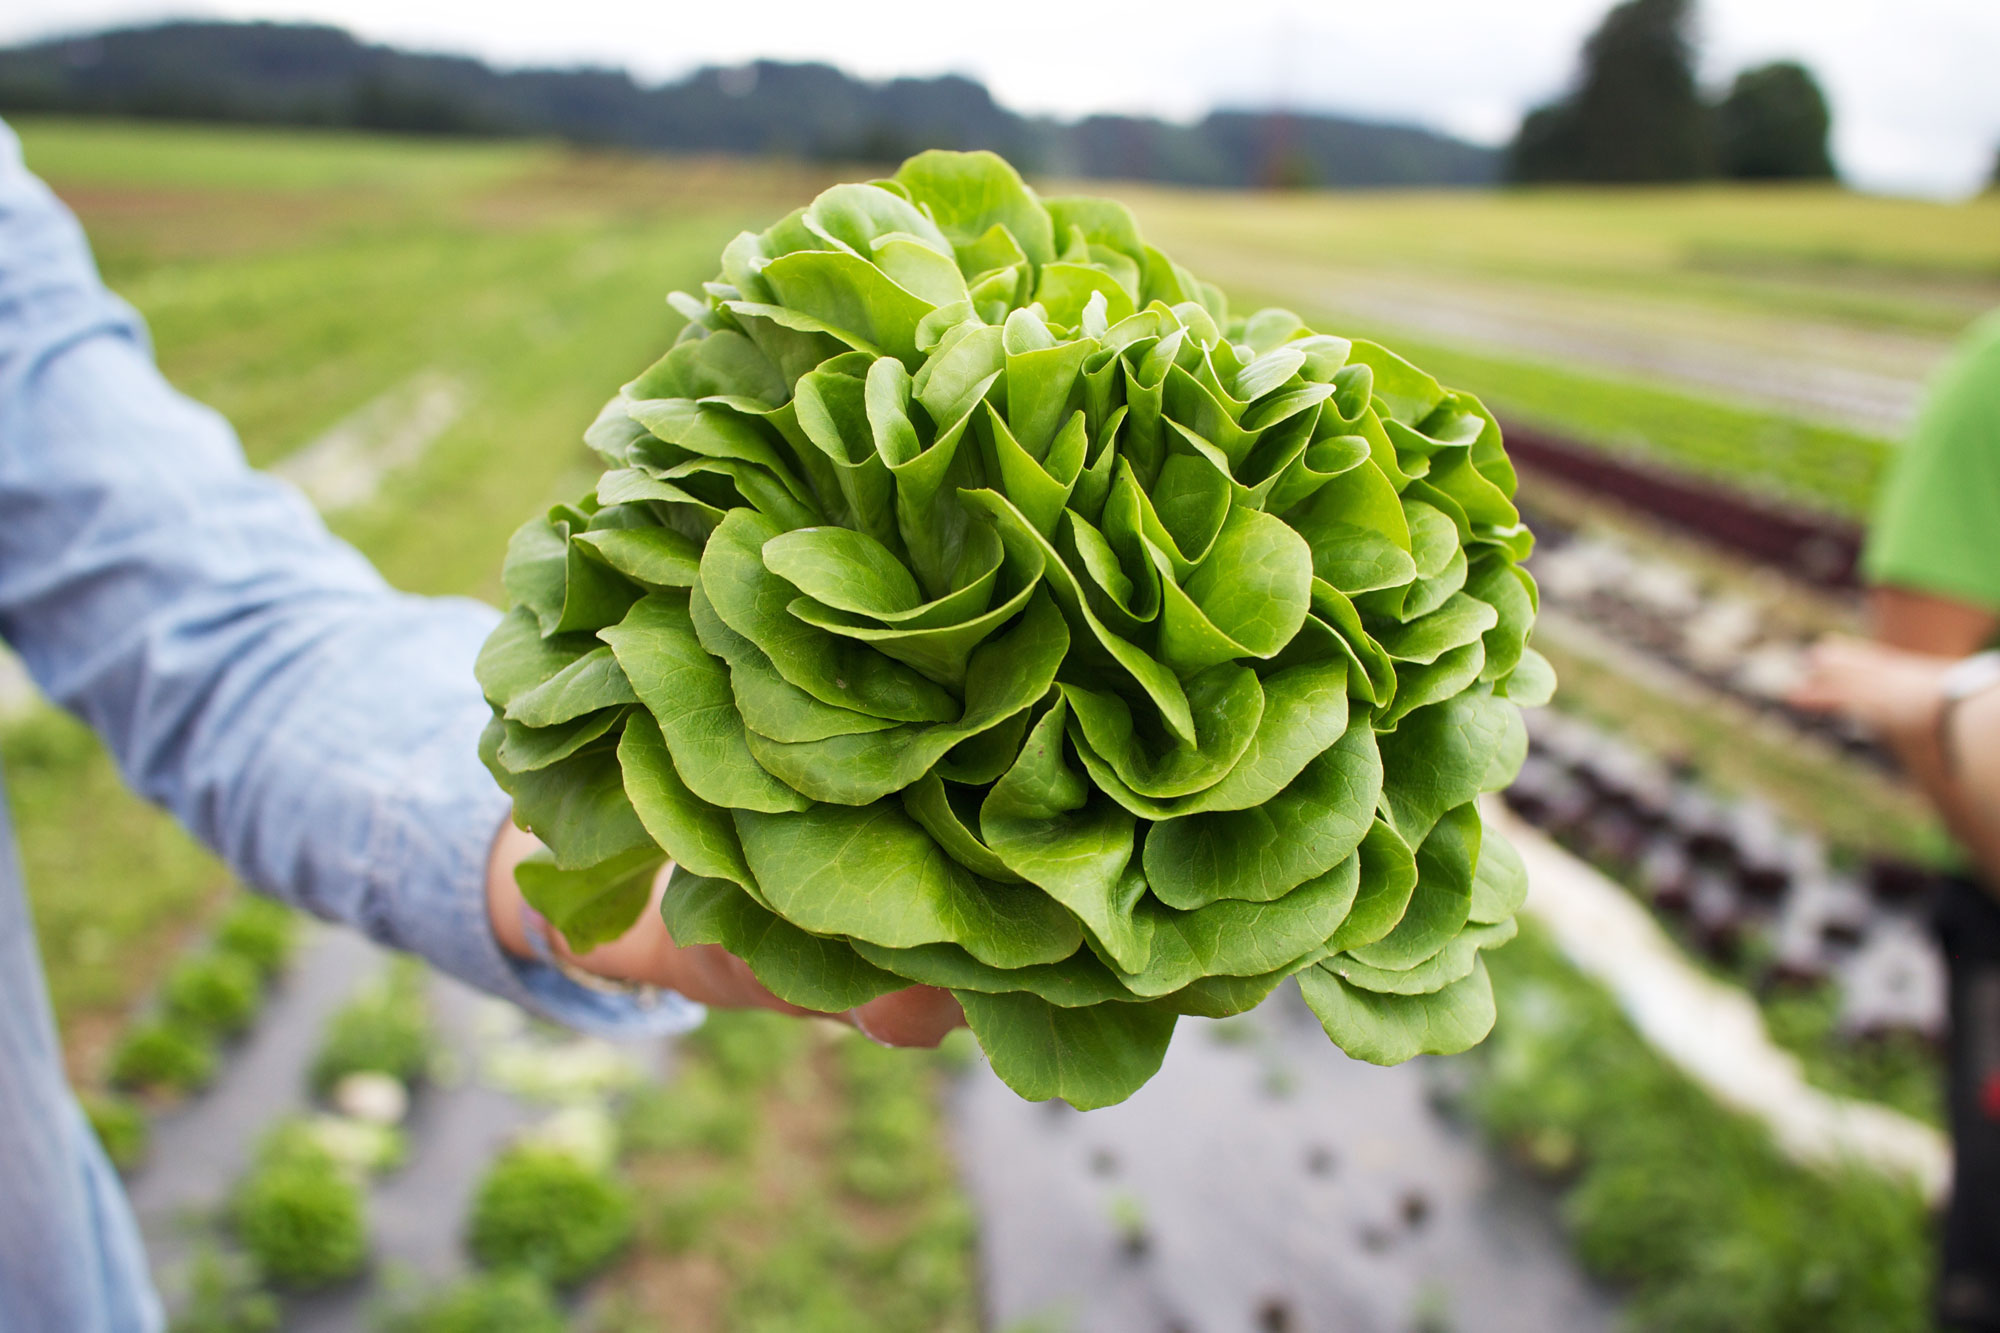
1775,336
417,331
291,280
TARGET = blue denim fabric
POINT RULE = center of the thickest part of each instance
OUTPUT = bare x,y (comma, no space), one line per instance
250,673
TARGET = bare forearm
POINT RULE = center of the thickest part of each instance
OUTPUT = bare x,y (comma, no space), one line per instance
1901,697
1920,622
1968,789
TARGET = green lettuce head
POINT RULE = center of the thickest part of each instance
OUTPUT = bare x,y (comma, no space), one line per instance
969,601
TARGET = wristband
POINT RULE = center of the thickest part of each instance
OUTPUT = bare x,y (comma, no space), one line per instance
1962,680
542,945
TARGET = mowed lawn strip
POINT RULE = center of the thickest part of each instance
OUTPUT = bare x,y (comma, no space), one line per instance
1808,251
1859,271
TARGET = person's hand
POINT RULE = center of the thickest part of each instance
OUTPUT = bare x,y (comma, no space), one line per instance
707,973
1897,695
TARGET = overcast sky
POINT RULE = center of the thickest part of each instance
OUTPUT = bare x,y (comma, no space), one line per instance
1915,84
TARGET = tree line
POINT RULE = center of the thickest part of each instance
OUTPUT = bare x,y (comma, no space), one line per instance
296,74
1636,113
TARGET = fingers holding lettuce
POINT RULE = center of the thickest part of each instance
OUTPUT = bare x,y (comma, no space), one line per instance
646,955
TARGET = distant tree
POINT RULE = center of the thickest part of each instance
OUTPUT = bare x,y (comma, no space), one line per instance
384,102
1773,125
1994,183
1635,114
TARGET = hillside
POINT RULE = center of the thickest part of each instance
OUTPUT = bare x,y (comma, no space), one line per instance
293,74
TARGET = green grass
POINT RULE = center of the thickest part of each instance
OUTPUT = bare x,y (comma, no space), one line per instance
1815,465
94,152
1809,250
1689,1207
1819,466
1748,266
111,880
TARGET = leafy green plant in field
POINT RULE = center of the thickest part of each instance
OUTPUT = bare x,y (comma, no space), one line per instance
120,1127
1901,1069
890,1125
299,1214
224,1297
827,1277
543,1210
747,1048
386,1029
163,1055
511,1302
700,1111
1690,1204
969,601
259,931
215,991
686,1213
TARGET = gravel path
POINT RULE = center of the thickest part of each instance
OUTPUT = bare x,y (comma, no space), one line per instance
346,466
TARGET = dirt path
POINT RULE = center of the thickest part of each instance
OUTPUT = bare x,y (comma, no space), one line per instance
200,1149
458,1123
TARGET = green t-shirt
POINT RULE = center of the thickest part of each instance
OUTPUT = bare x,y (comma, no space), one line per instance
1937,524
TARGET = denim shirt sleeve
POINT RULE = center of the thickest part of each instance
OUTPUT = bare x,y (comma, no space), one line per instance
249,672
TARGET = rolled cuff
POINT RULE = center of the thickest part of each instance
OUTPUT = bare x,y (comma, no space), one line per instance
433,836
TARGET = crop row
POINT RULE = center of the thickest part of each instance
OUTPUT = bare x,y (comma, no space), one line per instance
1726,640
1749,890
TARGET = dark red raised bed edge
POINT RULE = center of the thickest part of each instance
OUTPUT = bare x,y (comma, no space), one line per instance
1817,548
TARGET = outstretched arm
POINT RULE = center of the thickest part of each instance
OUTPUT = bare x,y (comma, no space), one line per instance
247,670
1952,753
256,676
